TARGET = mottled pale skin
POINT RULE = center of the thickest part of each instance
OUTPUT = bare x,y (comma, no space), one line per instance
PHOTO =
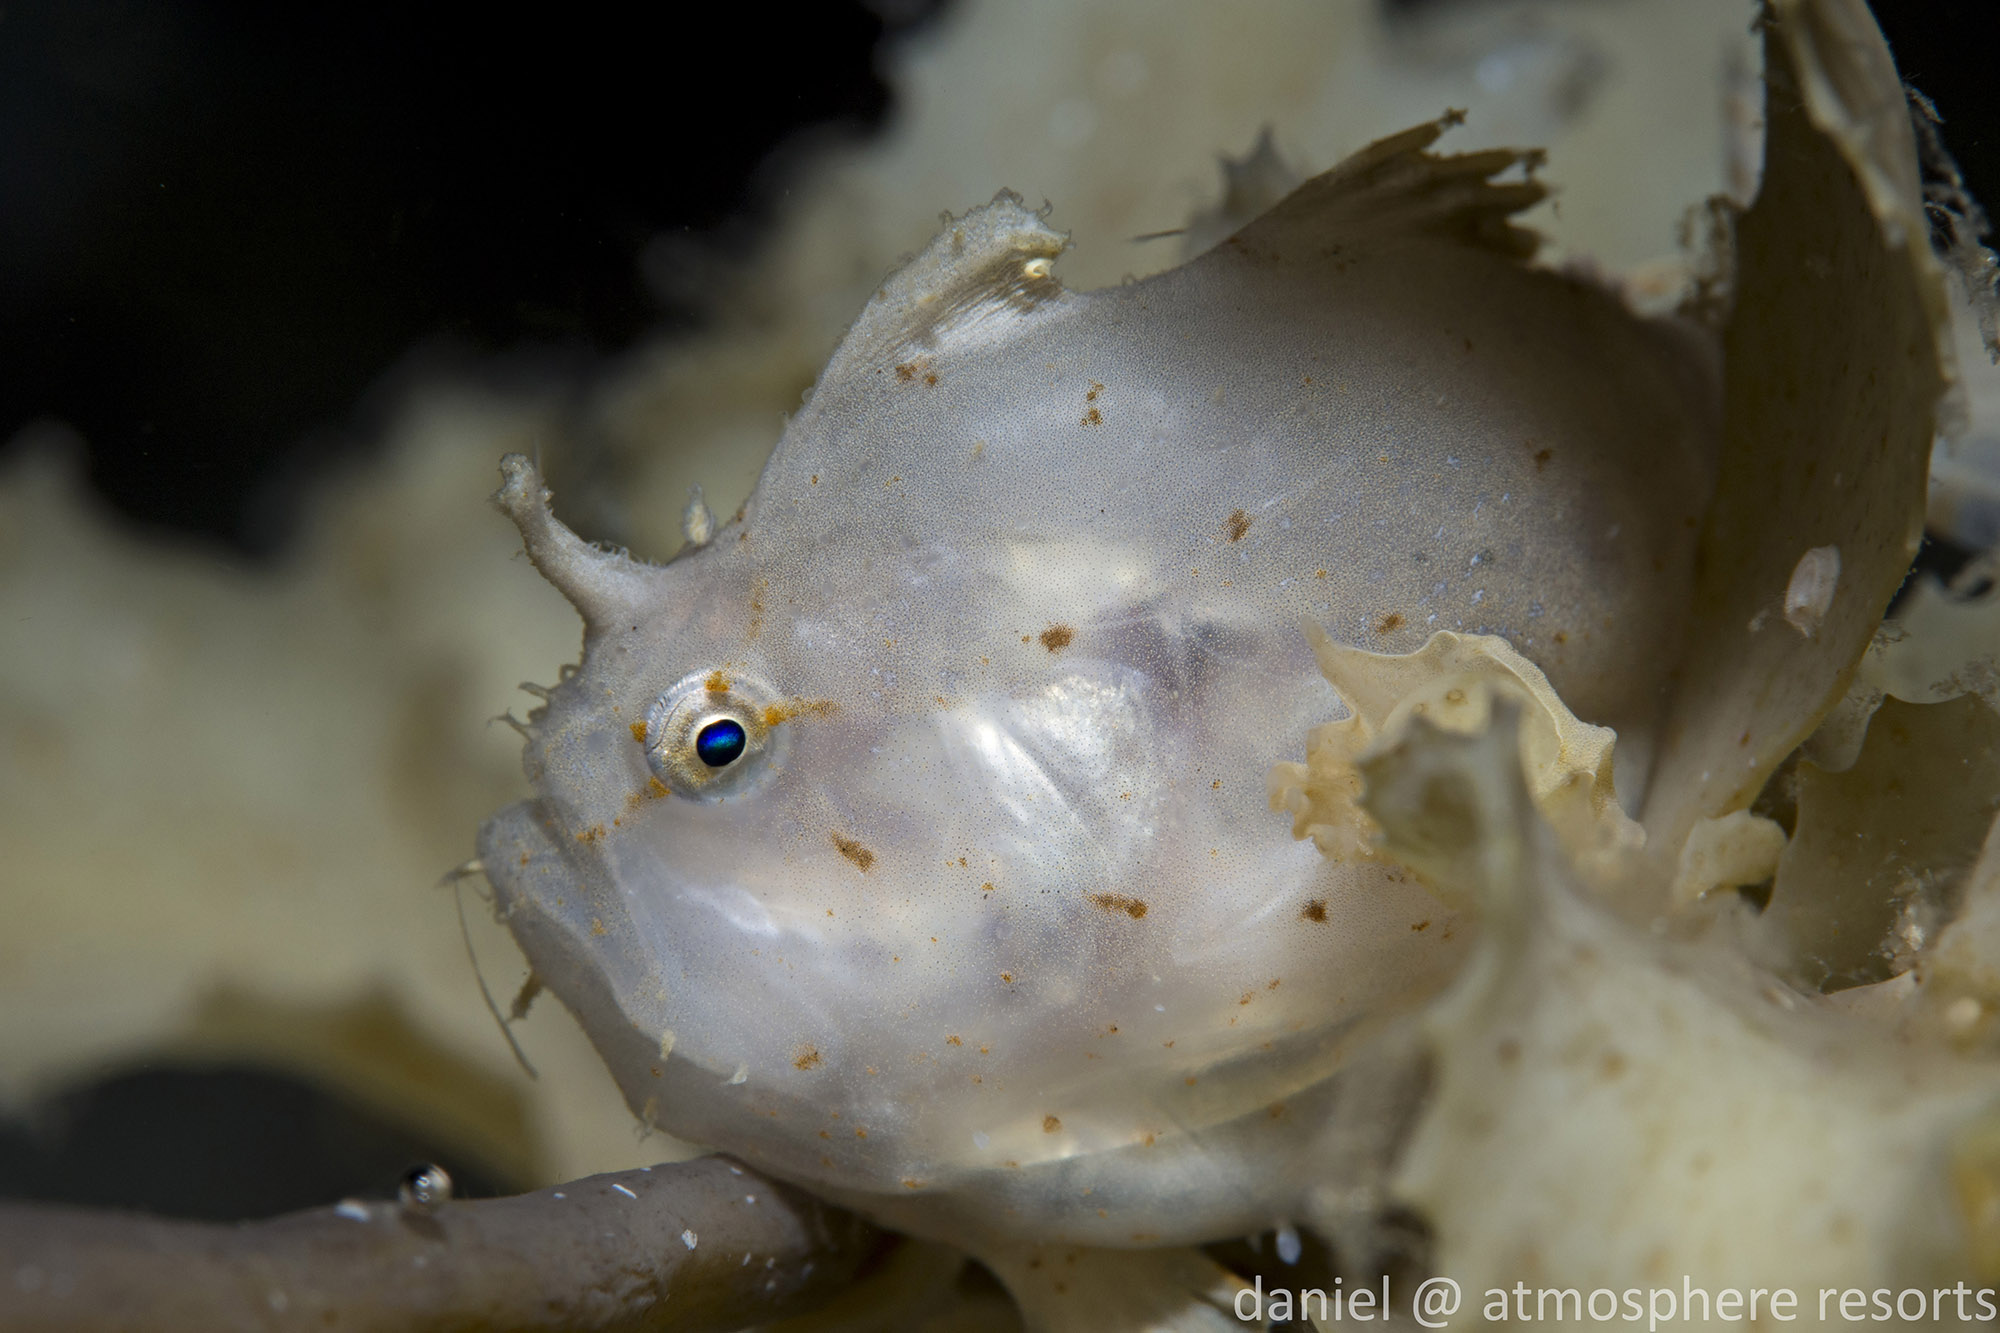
992,931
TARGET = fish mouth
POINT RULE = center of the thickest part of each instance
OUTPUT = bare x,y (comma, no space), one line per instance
540,893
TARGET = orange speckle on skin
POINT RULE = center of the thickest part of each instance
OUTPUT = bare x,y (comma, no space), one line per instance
1392,621
1118,902
987,887
655,788
1057,637
1274,983
717,683
591,834
1421,926
854,852
1239,524
806,1058
860,1133
953,1041
597,926
1315,910
1320,575
1050,1124
1542,457
1007,977
1215,785
1093,418
789,709
639,732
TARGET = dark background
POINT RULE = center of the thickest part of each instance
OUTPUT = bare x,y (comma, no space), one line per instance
221,222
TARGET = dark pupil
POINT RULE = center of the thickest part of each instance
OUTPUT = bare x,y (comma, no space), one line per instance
720,742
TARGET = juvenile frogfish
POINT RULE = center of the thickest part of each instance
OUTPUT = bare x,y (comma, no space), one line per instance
910,837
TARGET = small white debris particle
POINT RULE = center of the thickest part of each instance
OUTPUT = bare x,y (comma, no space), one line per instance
746,1260
742,1075
1289,1248
630,1195
688,1239
1810,592
750,1198
352,1209
560,1195
980,1138
735,1170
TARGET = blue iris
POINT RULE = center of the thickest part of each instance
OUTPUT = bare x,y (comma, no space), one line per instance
720,742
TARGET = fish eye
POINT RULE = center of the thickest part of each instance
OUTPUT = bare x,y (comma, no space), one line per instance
713,734
720,743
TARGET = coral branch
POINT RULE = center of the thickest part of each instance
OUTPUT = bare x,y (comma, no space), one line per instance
698,1245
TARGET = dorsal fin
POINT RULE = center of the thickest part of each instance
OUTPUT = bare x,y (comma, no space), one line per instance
1394,188
996,260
